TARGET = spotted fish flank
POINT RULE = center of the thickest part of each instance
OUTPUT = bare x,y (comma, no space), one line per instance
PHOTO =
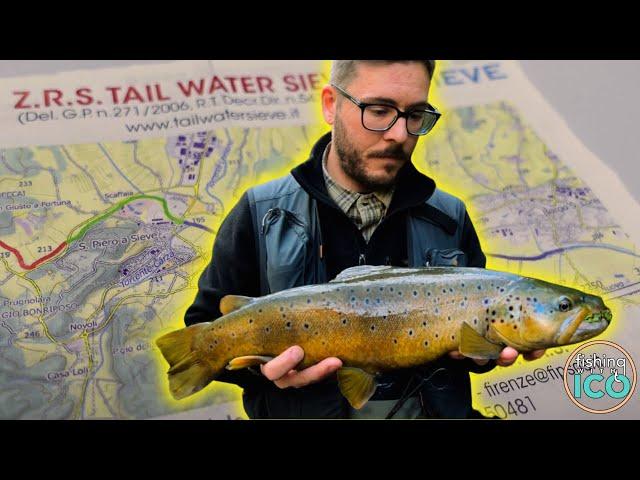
377,319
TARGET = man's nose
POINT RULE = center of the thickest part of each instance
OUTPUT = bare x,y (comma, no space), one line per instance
398,132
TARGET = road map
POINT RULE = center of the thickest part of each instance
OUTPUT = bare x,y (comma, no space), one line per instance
113,186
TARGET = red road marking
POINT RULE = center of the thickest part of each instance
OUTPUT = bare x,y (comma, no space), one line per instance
37,262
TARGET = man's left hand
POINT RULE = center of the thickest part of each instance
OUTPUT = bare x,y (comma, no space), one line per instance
507,357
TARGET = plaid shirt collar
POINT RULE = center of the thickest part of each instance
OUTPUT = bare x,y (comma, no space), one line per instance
366,210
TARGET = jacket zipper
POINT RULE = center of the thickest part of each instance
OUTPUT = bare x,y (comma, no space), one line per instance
272,216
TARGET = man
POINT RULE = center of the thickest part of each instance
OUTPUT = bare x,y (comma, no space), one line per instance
357,200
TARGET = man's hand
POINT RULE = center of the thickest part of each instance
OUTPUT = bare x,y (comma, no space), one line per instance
281,370
507,357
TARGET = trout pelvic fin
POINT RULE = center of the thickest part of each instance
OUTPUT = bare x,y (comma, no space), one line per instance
187,373
474,345
356,385
247,361
229,303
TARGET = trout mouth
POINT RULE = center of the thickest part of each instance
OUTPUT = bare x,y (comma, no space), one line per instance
583,325
596,317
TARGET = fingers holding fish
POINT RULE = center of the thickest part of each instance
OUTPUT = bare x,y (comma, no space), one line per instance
534,355
281,365
313,374
457,355
508,356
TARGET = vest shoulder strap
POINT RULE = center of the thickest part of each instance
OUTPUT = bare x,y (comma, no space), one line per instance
426,239
286,209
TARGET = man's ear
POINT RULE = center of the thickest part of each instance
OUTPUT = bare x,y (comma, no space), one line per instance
329,104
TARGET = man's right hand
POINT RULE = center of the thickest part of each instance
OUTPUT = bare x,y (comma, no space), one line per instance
281,370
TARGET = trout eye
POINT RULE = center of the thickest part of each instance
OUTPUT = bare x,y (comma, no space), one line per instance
565,304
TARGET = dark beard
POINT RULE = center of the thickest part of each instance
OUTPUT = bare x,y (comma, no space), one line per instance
352,163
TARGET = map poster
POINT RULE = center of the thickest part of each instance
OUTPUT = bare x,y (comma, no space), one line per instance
113,183
544,207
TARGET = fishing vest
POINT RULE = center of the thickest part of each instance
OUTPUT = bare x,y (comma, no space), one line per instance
288,235
288,238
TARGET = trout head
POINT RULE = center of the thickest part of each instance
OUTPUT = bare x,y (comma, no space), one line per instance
541,315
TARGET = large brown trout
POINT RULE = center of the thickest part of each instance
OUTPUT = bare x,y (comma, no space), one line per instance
377,319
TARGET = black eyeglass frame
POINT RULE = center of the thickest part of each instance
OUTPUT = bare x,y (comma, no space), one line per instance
399,113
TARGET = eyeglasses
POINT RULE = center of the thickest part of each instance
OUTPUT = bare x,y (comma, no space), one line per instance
380,117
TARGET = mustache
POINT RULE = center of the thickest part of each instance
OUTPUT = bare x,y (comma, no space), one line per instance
395,152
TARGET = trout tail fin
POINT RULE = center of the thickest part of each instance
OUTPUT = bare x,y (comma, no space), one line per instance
188,372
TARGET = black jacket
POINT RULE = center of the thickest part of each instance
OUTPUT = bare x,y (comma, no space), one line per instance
234,269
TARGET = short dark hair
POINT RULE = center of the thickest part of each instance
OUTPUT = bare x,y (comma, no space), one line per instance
343,71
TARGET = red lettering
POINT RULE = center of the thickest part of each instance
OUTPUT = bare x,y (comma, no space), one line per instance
114,94
159,95
84,96
233,84
290,81
265,83
303,82
232,81
191,86
21,102
216,84
52,95
131,95
247,85
315,80
309,81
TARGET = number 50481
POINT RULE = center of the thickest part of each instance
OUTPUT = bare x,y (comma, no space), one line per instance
514,408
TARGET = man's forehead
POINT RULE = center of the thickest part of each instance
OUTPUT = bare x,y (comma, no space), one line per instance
395,83
391,67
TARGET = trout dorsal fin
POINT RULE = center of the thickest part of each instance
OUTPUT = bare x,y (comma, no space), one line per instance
229,303
360,272
474,345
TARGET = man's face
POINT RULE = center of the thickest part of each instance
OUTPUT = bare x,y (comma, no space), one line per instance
373,159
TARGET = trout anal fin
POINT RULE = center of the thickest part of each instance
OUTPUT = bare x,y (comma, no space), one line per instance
356,385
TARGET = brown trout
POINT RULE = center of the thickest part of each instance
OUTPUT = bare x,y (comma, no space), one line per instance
381,318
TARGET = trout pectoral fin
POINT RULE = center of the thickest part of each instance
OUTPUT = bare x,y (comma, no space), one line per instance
356,385
474,345
229,303
247,361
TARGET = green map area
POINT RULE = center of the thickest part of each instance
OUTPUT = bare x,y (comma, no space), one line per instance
102,245
533,213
